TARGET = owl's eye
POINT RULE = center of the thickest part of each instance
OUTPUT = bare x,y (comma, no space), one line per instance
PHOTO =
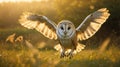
69,28
61,28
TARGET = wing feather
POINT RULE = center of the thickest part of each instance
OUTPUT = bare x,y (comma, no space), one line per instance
39,23
92,24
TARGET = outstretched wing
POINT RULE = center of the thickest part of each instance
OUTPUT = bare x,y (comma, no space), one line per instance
40,23
92,23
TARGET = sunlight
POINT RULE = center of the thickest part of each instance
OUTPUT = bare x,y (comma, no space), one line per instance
2,1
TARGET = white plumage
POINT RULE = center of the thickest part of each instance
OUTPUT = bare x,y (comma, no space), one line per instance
65,32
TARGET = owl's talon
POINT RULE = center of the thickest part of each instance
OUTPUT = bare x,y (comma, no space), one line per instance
70,56
62,55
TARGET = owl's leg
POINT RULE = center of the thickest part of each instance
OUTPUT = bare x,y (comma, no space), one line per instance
62,53
71,54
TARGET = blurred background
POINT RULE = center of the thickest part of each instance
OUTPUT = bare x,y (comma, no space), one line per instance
107,38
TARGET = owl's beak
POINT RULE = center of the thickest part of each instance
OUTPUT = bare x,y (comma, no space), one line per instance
65,32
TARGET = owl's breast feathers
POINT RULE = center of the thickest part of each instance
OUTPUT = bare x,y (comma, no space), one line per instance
68,43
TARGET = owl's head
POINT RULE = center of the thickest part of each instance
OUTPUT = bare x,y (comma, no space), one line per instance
65,29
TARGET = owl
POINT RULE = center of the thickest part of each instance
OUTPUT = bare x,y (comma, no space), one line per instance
65,32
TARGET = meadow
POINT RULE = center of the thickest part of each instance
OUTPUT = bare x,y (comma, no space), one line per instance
20,47
33,52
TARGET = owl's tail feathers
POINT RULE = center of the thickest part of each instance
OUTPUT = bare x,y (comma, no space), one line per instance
79,48
58,47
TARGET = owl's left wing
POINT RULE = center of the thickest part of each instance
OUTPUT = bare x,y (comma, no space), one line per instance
40,23
92,23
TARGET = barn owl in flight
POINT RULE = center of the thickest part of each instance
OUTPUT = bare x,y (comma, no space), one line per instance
65,31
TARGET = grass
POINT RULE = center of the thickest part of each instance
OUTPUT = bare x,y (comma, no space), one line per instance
19,55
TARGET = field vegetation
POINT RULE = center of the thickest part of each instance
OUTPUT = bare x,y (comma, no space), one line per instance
20,47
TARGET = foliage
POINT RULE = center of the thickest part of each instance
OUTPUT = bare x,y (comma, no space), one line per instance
57,10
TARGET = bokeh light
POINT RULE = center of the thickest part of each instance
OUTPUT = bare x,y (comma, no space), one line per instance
1,1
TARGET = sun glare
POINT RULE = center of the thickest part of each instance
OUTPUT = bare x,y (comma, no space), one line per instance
2,1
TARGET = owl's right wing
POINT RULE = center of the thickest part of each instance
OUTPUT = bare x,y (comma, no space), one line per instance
40,23
92,24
